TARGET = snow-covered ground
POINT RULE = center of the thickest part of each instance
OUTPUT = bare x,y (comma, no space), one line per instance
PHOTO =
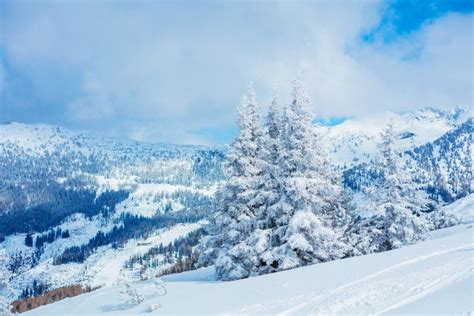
147,199
432,277
102,268
81,230
463,208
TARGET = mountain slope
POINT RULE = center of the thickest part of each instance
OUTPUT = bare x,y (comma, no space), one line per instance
41,164
445,165
381,283
106,195
449,162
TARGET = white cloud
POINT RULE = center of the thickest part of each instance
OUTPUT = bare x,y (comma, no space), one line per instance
431,67
158,72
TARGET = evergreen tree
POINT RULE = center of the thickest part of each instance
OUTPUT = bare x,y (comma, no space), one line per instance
4,285
303,221
272,128
270,193
398,200
400,178
29,240
239,201
282,206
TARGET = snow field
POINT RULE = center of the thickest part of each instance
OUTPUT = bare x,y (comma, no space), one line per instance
417,278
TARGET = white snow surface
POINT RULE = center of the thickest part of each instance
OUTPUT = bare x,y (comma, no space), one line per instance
102,268
462,208
81,230
432,277
145,200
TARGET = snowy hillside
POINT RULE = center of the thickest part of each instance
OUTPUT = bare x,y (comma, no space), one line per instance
446,165
435,276
463,208
104,195
100,269
39,139
39,161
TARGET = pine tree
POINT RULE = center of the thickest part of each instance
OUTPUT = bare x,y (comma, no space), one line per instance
398,200
260,239
272,128
29,240
238,202
4,285
402,179
304,218
282,206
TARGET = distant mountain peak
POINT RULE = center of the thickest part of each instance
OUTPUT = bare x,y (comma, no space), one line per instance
456,115
356,138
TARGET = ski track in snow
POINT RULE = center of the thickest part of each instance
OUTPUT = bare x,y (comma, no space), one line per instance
382,291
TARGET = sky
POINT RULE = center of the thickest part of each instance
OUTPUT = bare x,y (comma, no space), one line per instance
174,72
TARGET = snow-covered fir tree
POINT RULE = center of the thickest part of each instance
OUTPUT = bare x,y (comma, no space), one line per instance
272,128
4,284
239,201
271,191
397,200
303,222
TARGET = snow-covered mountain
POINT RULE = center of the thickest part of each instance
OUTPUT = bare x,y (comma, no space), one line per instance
445,165
354,141
74,206
39,139
119,200
432,277
41,157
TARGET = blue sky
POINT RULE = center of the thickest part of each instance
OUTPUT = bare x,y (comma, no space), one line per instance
174,71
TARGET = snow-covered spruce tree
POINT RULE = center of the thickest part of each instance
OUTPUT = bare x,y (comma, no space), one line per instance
4,285
272,128
238,202
397,200
304,221
271,192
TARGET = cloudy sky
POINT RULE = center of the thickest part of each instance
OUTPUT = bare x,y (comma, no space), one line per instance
173,72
